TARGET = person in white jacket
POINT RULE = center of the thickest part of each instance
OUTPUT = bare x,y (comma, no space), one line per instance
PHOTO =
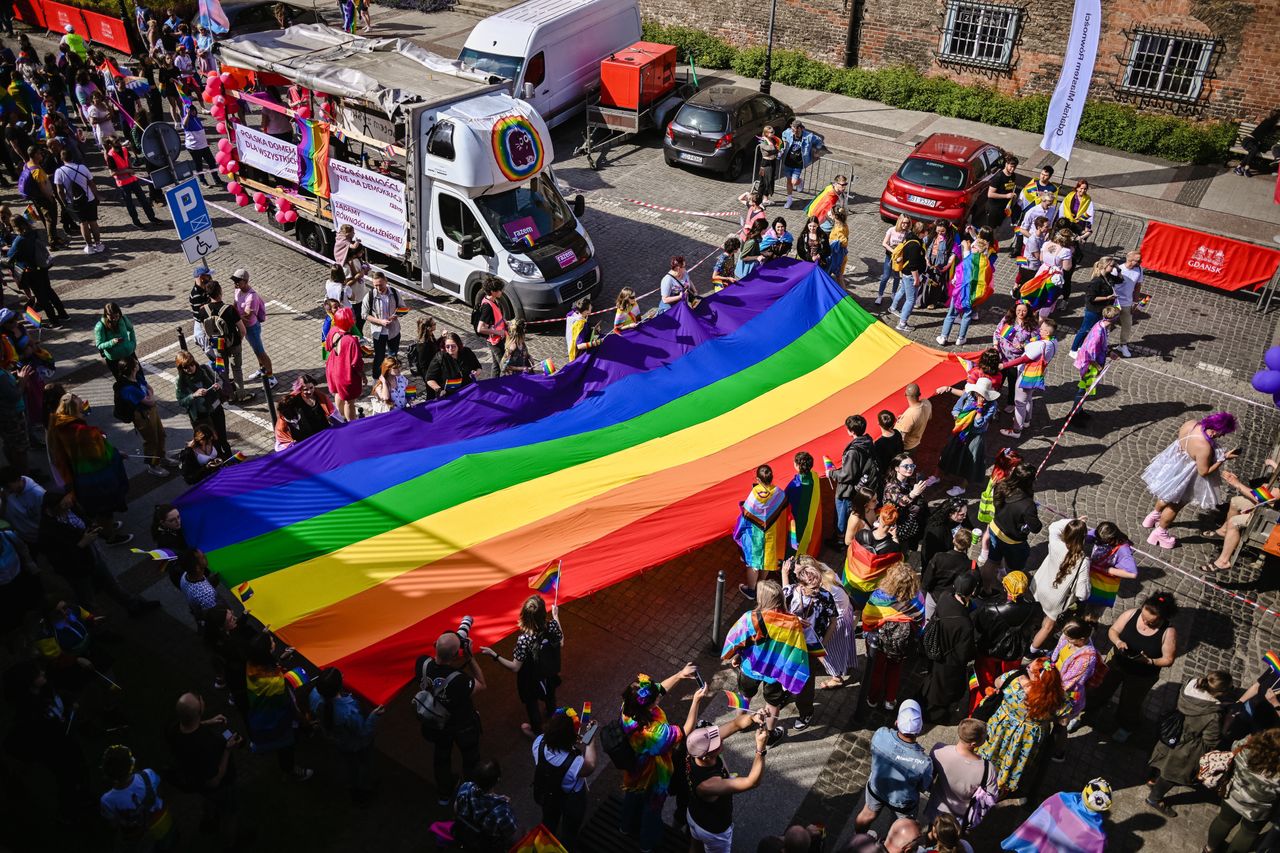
1063,577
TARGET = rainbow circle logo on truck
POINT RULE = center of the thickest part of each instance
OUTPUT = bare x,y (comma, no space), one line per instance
517,147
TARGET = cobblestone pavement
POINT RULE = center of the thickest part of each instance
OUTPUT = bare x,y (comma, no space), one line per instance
1197,350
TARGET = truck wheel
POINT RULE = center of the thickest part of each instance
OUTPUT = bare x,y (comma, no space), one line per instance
315,237
511,307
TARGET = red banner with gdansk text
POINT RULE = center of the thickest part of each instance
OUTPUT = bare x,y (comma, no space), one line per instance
1207,258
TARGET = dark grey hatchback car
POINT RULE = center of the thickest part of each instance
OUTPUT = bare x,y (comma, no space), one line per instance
716,129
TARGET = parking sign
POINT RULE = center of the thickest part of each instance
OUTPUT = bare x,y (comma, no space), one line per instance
191,220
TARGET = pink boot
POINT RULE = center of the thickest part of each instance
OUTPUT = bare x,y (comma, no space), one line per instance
1151,519
1162,537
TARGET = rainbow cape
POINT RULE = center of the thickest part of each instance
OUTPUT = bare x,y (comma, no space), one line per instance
805,498
653,743
364,543
270,713
313,156
1042,289
761,529
539,840
1033,371
971,283
863,570
969,409
883,608
1062,823
772,648
1103,586
823,203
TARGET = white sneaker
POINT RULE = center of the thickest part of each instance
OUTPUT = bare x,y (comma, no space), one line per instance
956,491
157,471
1072,354
99,247
89,250
786,205
272,381
879,300
942,342
961,341
1124,351
254,375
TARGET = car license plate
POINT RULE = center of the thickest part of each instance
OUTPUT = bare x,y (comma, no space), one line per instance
691,158
927,202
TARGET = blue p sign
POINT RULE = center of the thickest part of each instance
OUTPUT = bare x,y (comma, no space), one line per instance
190,216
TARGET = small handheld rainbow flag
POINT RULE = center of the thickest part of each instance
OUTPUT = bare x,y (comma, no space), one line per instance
244,592
402,310
547,367
737,701
1272,659
1144,301
410,390
548,580
973,682
539,840
1262,494
157,554
33,316
453,383
238,456
827,465
586,713
219,363
297,677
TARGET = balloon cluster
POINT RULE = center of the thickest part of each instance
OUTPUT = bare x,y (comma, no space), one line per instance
285,212
1268,380
229,164
220,103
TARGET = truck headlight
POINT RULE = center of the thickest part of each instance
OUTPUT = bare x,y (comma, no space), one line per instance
521,267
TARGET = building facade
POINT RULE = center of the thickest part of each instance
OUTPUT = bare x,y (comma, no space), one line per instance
1199,58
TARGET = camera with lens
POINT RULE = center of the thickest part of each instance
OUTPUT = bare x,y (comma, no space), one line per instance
464,633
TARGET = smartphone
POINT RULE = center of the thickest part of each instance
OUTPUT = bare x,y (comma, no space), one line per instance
227,735
589,731
698,677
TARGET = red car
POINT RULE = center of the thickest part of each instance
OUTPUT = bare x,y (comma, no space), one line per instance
945,177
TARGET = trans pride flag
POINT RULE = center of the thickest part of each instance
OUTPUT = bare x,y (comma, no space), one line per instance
772,648
1062,823
762,529
364,543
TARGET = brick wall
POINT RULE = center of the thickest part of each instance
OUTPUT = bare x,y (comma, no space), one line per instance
896,32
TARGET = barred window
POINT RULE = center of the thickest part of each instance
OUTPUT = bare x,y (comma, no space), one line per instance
980,34
1168,66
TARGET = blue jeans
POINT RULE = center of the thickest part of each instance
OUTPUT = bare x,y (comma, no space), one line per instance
844,508
1090,320
907,293
886,273
642,813
966,316
253,334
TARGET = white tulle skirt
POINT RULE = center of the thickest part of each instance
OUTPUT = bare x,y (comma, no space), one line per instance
1172,476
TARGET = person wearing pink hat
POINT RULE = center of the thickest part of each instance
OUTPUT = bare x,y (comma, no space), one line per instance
344,368
711,787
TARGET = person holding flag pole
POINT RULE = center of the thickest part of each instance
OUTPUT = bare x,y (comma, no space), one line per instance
536,657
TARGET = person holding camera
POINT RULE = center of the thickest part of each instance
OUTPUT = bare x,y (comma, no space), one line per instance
535,660
711,787
448,682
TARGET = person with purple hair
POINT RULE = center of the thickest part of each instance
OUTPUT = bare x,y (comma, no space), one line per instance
1188,471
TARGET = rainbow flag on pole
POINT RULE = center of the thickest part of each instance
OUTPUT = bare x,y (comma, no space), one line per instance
297,677
547,366
32,315
737,701
539,840
313,156
827,466
363,544
547,580
1272,659
1262,494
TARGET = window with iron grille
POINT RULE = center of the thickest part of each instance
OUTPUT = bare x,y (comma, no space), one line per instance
1168,66
980,34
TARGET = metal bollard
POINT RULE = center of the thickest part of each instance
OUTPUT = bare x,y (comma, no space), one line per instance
271,400
182,339
717,611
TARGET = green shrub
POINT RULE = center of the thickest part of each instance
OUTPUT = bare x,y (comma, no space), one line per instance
1111,125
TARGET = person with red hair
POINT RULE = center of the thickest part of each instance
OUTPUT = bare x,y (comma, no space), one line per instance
1030,703
344,368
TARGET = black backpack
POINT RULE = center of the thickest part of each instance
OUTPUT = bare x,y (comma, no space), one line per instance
544,653
121,409
548,779
1169,731
616,745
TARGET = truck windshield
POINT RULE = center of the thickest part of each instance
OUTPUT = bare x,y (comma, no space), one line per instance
526,216
492,63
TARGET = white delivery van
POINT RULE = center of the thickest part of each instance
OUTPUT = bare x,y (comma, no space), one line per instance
439,170
551,49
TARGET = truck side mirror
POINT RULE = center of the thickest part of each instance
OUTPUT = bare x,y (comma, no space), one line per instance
528,91
579,206
467,248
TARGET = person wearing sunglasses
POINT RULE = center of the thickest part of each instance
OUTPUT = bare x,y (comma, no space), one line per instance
453,368
904,489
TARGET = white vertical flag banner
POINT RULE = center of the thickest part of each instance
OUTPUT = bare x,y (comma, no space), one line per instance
1067,104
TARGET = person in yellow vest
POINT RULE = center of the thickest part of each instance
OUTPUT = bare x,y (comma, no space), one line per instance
131,189
490,324
75,43
1076,211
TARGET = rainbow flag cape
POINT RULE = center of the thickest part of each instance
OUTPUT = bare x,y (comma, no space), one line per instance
737,701
538,840
270,710
313,156
157,554
547,580
1062,823
822,204
296,677
1103,588
617,464
772,648
863,570
32,315
804,496
761,530
1272,659
967,416
882,608
1033,371
1042,289
971,283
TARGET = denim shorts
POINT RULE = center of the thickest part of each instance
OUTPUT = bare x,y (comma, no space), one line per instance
253,334
793,174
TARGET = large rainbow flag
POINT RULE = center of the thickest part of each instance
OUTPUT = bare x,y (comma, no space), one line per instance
363,543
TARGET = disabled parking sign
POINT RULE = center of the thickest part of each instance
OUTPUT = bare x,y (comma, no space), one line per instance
191,220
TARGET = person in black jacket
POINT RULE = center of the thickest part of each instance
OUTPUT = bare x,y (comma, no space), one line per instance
943,568
1099,293
857,469
946,519
951,626
1004,627
1016,520
813,243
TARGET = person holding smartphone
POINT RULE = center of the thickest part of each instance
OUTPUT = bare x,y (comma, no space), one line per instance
711,787
1188,471
564,757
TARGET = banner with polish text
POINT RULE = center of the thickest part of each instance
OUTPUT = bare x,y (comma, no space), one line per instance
1067,103
276,157
1207,258
380,234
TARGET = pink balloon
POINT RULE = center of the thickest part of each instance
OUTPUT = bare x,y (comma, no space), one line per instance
224,77
220,100
234,188
221,157
303,111
224,144
242,200
222,127
291,216
259,197
261,208
233,166
222,170
280,217
218,112
286,205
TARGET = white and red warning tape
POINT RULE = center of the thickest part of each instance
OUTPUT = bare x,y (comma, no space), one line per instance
714,214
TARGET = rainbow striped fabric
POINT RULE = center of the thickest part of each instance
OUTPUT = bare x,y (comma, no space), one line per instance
33,316
761,529
804,494
364,543
296,677
883,608
1262,494
313,156
539,840
968,411
158,554
771,647
971,283
548,580
863,570
1042,289
737,701
1272,659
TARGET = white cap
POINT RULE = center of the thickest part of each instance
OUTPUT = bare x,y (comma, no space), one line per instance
910,718
67,28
